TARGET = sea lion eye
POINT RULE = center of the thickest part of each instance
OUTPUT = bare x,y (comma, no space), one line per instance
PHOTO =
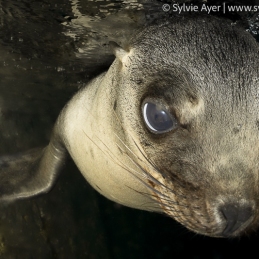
157,118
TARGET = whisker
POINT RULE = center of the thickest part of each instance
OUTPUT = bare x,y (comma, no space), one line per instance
156,169
98,146
167,202
128,169
154,180
166,205
141,174
160,195
110,156
148,175
172,207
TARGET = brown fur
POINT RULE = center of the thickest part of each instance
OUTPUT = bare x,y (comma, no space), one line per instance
204,173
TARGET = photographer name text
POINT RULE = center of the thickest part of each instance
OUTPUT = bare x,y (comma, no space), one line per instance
210,8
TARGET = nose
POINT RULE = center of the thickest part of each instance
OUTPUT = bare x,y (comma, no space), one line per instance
235,216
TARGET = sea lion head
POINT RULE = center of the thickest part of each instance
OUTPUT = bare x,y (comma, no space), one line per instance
187,97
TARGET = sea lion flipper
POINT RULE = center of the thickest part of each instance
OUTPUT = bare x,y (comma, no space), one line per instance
30,173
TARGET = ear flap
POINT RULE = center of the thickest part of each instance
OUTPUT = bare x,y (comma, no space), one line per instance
118,51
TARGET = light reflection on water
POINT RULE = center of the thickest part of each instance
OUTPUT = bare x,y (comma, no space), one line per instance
48,51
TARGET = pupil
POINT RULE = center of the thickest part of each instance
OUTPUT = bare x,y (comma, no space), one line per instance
161,116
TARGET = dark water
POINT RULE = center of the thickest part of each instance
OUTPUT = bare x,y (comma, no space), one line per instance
49,49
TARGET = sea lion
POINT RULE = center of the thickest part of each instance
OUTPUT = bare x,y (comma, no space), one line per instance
171,127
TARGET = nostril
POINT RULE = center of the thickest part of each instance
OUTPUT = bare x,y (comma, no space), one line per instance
235,216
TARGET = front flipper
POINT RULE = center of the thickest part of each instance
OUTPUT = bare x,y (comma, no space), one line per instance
30,173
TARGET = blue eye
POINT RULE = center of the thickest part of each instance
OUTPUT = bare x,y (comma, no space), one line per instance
157,118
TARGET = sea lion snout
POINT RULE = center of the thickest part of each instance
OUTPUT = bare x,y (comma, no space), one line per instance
236,216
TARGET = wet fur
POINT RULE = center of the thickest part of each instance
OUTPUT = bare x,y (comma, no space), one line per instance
206,71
